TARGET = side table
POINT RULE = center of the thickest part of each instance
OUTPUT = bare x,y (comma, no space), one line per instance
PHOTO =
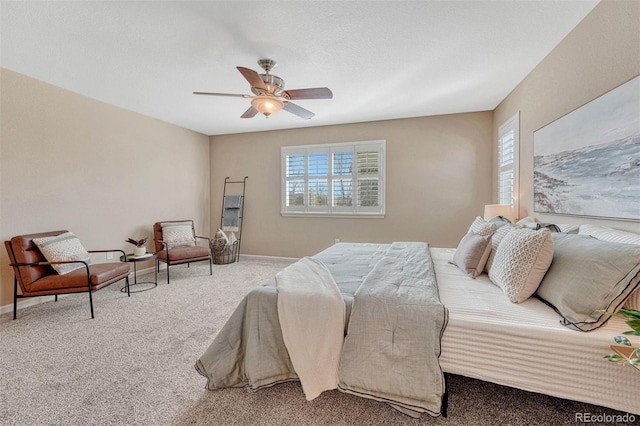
131,258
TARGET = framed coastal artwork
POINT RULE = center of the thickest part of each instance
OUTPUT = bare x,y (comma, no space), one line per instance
587,162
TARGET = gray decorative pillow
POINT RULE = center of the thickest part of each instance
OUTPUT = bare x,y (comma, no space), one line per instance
500,221
63,247
587,276
178,234
472,254
481,227
522,258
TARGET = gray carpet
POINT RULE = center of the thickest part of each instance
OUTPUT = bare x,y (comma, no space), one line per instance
134,365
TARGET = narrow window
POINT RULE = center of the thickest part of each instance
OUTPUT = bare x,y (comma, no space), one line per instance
508,148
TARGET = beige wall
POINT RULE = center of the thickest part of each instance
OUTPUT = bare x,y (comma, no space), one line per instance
601,53
70,162
105,173
438,179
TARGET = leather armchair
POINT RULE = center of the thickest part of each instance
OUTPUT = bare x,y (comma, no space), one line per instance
36,277
175,255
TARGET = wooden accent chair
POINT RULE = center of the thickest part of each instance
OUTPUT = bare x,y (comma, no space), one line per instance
176,243
36,276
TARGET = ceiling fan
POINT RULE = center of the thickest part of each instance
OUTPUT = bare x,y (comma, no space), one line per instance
269,95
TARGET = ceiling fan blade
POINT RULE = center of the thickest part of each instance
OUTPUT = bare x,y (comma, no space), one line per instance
222,94
250,113
252,77
314,93
298,110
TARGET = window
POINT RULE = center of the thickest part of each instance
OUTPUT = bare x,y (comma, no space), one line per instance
334,179
508,147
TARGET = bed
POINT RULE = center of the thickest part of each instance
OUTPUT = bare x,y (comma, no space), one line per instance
484,335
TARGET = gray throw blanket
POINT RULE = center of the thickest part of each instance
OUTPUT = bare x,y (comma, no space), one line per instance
231,212
392,347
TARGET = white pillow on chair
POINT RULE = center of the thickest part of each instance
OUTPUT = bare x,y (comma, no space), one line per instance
63,247
178,234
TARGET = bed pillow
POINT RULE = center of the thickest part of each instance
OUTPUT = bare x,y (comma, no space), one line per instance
472,253
567,228
522,258
63,247
178,234
525,221
500,221
481,227
496,238
616,236
587,276
607,234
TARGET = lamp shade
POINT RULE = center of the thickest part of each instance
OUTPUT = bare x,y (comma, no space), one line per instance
267,105
495,210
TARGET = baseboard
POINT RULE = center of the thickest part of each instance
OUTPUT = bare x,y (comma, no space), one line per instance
257,256
26,302
31,301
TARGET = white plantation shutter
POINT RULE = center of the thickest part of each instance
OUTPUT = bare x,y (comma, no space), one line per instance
318,180
295,171
508,147
334,179
368,178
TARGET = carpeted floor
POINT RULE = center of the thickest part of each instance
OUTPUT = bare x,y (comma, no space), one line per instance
134,365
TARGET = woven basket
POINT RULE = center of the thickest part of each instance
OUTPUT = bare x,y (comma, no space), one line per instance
226,254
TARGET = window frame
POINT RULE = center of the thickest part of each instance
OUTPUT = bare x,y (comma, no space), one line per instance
510,126
354,210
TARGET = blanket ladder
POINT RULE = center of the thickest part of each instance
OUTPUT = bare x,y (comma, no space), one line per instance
235,213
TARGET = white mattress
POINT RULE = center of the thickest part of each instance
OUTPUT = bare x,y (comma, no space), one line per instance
525,346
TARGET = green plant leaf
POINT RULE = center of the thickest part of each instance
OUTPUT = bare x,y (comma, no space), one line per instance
631,333
631,313
638,352
634,361
634,323
621,340
613,357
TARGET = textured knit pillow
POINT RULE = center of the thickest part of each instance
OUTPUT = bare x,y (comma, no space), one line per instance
481,227
178,234
495,242
63,247
521,261
472,254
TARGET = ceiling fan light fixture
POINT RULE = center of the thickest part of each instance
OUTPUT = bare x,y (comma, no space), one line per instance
267,105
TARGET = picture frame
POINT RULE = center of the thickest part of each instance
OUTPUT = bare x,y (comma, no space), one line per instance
587,162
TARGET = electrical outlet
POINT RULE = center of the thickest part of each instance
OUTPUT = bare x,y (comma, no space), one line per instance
336,241
109,255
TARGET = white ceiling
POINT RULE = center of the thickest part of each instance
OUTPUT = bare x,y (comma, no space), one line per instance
381,59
